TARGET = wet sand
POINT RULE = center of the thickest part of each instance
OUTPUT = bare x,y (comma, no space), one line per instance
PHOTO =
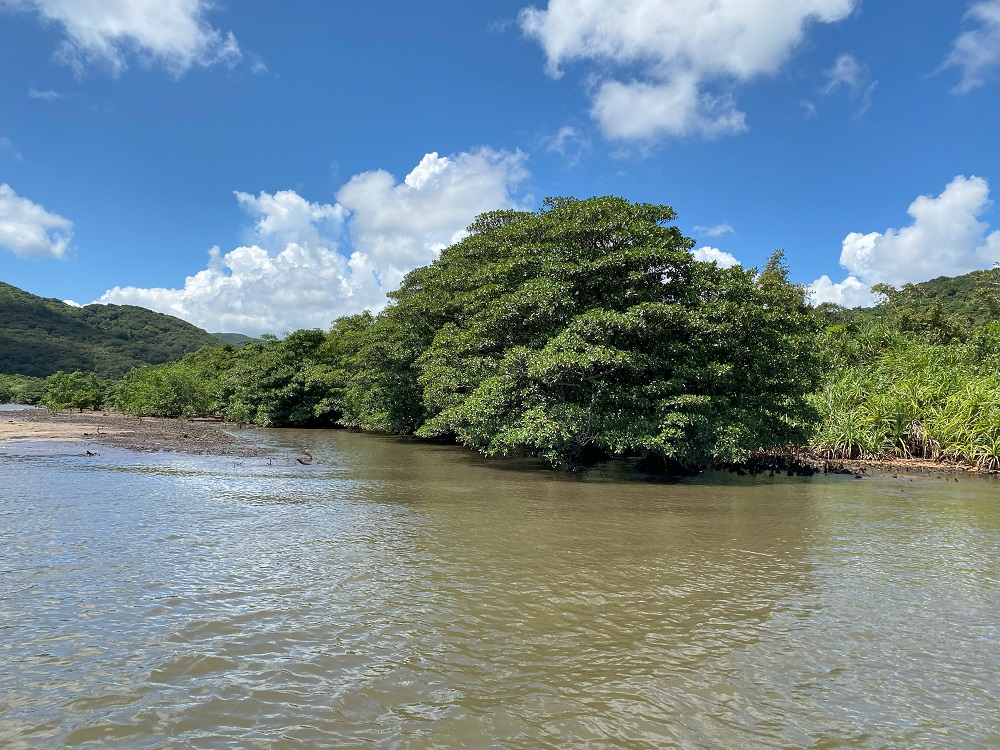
115,429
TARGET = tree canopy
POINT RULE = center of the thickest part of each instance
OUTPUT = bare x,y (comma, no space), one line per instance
588,329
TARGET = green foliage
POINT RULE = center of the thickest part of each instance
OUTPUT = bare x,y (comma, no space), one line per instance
236,340
915,377
588,330
42,336
276,382
21,389
75,390
914,312
916,400
189,386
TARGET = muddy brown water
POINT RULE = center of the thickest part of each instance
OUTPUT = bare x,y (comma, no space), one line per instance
398,594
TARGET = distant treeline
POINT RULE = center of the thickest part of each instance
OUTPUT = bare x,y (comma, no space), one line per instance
588,331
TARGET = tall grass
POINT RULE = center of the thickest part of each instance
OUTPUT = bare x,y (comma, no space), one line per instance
915,400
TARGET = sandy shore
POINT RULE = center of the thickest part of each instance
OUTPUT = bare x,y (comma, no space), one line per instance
115,429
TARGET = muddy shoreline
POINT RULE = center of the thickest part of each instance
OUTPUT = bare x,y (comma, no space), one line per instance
112,428
209,436
806,463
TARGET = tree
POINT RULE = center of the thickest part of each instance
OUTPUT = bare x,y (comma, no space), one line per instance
74,390
588,330
987,294
276,382
914,313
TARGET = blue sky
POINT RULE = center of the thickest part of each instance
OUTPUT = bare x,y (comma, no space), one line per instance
260,167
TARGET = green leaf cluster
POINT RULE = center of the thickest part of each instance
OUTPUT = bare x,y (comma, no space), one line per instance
588,330
21,389
76,390
916,400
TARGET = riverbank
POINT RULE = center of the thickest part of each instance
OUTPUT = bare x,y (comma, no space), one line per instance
112,428
207,436
807,463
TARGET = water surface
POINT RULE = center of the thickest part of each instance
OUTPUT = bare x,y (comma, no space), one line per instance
401,594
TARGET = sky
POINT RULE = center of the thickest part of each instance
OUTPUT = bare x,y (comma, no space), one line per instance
262,167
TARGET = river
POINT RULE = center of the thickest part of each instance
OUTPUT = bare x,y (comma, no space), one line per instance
399,594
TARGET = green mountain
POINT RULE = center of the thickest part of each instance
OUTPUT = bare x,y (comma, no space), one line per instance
239,340
40,336
957,294
971,298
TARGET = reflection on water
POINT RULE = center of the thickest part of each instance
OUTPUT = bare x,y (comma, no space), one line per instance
400,594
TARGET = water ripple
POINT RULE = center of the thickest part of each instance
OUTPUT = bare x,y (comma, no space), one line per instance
406,595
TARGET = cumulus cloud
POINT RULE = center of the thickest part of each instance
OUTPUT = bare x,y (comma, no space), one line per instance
285,215
708,254
171,33
28,230
851,292
946,238
976,52
402,226
666,67
312,262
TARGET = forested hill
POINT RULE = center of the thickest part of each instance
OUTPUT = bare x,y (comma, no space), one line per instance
235,339
969,298
959,295
40,336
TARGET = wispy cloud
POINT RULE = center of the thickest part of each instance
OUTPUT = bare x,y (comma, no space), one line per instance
716,231
976,51
569,143
47,95
7,146
849,75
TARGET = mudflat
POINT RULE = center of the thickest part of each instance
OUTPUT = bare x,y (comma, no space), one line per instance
115,429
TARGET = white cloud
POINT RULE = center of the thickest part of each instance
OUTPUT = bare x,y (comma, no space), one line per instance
671,54
172,33
569,143
717,231
402,226
6,144
285,215
976,52
851,292
715,255
312,262
946,238
847,72
28,230
47,95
